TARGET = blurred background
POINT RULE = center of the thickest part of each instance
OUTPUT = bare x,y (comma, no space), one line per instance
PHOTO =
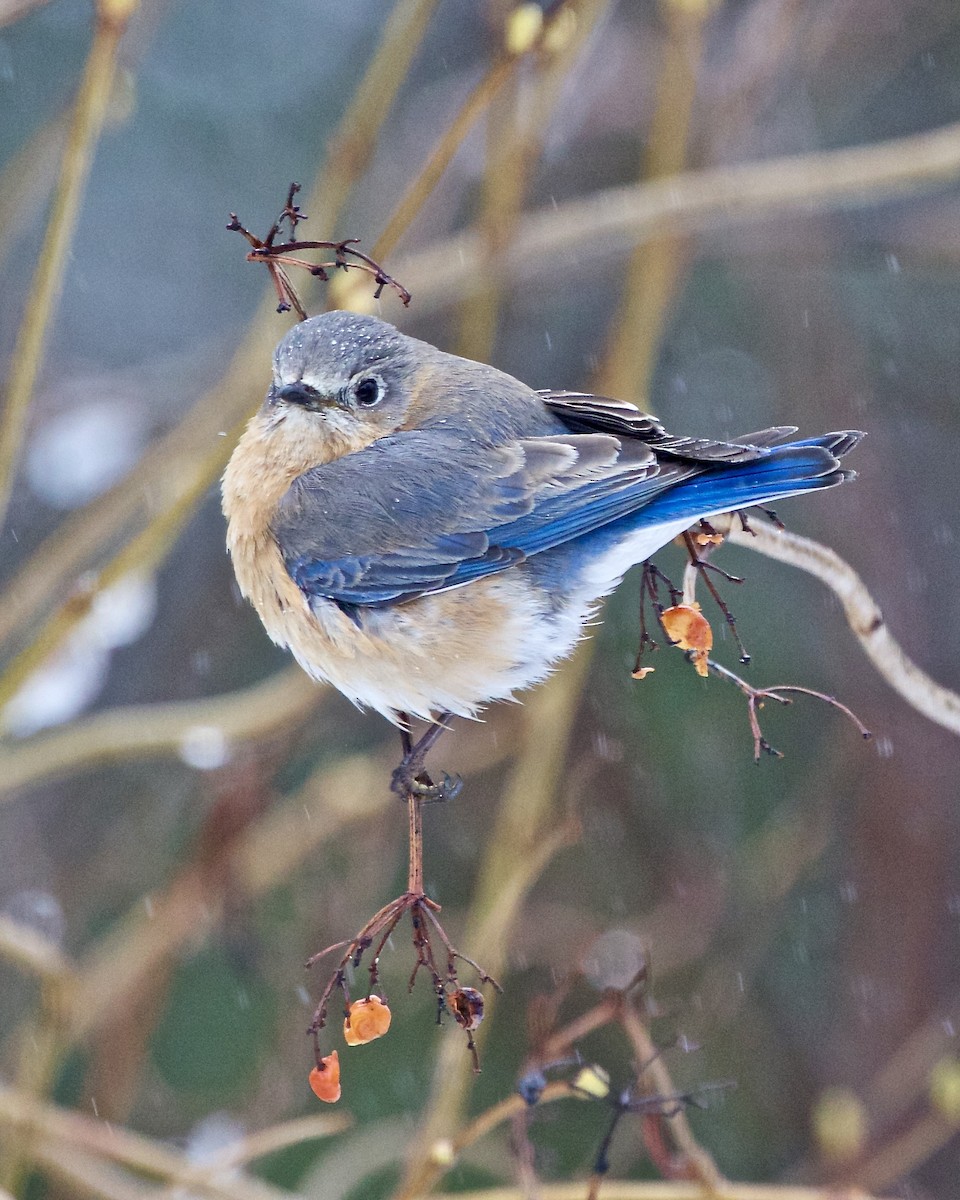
184,819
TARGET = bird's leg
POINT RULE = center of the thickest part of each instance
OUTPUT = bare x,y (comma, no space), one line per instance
410,778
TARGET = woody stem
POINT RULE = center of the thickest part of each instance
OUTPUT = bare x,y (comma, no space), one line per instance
415,869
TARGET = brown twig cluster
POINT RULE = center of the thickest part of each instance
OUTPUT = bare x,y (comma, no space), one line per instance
649,1094
755,700
464,1003
699,543
279,255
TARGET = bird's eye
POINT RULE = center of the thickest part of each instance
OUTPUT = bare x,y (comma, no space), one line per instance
367,391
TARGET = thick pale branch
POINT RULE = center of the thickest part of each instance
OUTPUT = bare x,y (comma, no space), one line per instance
52,1130
553,240
931,699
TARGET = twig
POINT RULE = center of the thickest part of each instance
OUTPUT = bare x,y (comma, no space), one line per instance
278,256
756,696
650,579
700,1164
525,837
423,913
700,565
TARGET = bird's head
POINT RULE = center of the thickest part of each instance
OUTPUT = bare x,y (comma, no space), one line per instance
340,379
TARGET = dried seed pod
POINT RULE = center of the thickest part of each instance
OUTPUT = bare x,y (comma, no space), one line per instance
686,625
466,1004
325,1079
366,1020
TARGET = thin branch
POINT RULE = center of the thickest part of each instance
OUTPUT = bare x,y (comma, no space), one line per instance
525,837
777,692
276,257
152,729
698,1160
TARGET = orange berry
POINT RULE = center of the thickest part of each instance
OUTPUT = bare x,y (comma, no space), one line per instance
325,1079
366,1020
686,626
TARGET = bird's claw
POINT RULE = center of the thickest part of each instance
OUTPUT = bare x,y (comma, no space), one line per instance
450,787
407,780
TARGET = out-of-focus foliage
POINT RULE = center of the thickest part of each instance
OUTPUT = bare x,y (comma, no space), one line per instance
802,917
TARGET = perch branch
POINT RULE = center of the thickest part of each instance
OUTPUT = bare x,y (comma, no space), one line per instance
939,704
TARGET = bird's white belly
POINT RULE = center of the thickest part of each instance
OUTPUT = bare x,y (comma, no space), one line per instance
458,650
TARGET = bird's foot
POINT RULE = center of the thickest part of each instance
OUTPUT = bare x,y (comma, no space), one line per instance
410,779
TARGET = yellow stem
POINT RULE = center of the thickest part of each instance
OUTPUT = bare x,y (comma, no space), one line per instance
89,112
442,154
655,268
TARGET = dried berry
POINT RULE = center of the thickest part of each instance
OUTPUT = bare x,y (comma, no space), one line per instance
690,630
366,1020
466,1004
325,1079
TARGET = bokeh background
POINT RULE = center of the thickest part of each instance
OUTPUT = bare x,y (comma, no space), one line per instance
184,819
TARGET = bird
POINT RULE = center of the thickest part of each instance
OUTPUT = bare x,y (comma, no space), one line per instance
430,535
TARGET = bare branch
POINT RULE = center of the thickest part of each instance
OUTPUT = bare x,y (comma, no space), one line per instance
938,703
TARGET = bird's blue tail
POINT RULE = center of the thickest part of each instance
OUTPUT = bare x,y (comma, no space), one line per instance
801,466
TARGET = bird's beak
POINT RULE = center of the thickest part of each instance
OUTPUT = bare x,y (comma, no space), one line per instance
306,396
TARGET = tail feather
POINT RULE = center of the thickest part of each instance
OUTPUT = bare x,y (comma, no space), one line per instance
839,443
802,466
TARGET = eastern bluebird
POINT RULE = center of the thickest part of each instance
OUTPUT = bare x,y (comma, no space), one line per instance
429,534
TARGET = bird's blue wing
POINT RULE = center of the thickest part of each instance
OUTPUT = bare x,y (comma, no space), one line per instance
426,510
414,512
